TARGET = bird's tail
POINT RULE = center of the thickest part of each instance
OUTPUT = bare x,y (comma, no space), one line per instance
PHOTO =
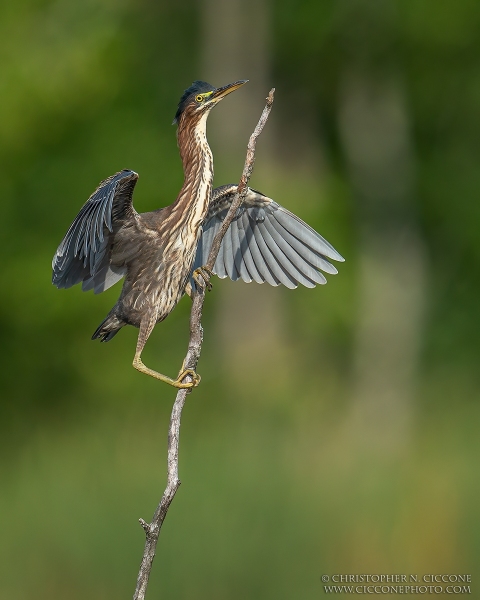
108,328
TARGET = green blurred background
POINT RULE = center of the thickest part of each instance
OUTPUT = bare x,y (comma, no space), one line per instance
336,429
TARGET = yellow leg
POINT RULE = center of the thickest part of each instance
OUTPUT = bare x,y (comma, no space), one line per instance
204,274
177,383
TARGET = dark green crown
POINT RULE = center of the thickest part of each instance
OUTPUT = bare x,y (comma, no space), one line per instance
197,87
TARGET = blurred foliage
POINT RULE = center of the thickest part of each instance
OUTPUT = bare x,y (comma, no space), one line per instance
273,496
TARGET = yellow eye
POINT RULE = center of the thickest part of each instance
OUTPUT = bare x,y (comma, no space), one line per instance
199,98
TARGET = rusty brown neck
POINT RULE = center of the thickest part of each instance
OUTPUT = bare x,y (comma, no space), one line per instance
197,159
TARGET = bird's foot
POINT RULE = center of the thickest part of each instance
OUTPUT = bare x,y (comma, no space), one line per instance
204,273
195,376
185,371
176,383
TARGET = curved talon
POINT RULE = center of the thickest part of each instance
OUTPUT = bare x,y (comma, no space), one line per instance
205,273
191,384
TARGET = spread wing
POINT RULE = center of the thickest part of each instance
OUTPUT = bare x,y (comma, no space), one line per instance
265,242
84,253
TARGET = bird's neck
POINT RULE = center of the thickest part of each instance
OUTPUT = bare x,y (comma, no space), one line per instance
197,159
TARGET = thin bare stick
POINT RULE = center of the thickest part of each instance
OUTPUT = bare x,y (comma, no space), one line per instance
152,530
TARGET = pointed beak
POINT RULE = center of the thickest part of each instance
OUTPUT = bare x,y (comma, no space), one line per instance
221,92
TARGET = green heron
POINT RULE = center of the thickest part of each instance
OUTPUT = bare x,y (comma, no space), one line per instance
161,253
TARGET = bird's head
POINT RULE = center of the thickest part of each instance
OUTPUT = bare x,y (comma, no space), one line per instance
201,97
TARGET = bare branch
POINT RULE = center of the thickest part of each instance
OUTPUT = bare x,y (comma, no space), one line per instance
152,530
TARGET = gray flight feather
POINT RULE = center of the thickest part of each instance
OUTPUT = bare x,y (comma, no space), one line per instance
289,261
271,261
305,233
